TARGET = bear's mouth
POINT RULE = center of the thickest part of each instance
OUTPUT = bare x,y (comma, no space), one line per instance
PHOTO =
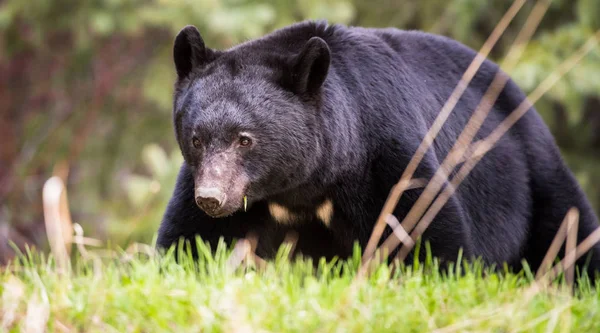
220,215
228,210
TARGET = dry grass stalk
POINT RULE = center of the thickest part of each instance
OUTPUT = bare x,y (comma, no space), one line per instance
251,257
62,327
476,121
572,227
488,143
259,262
557,243
291,238
136,248
570,259
38,313
14,292
441,176
462,85
239,254
465,139
252,237
542,89
59,227
244,253
81,241
416,183
399,231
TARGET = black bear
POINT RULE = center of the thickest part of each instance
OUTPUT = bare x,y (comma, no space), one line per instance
309,127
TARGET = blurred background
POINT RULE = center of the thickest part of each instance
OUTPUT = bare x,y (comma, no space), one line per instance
86,86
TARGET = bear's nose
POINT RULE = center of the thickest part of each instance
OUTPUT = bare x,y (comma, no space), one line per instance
209,199
208,205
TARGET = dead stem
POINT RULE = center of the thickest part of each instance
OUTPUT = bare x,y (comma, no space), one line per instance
408,173
556,244
496,135
476,121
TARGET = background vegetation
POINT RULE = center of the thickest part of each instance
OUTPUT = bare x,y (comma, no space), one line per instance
85,92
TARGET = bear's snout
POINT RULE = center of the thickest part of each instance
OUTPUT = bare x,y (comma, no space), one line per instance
210,199
220,183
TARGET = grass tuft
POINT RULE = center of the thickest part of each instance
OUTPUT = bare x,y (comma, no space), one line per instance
143,293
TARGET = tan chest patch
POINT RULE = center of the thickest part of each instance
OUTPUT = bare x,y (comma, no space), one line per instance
325,212
281,214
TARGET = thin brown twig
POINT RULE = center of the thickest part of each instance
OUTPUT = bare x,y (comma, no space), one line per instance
460,88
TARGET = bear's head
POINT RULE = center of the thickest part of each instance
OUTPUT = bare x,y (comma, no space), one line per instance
247,119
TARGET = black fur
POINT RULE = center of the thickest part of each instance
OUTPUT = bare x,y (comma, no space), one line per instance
337,113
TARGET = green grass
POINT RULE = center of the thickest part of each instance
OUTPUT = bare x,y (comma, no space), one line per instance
155,294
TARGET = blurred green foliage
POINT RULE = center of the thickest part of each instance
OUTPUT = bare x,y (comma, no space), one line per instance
88,85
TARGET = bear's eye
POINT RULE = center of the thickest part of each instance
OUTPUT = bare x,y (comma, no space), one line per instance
196,143
245,141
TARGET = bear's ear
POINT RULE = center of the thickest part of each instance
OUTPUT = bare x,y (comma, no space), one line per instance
310,66
189,51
